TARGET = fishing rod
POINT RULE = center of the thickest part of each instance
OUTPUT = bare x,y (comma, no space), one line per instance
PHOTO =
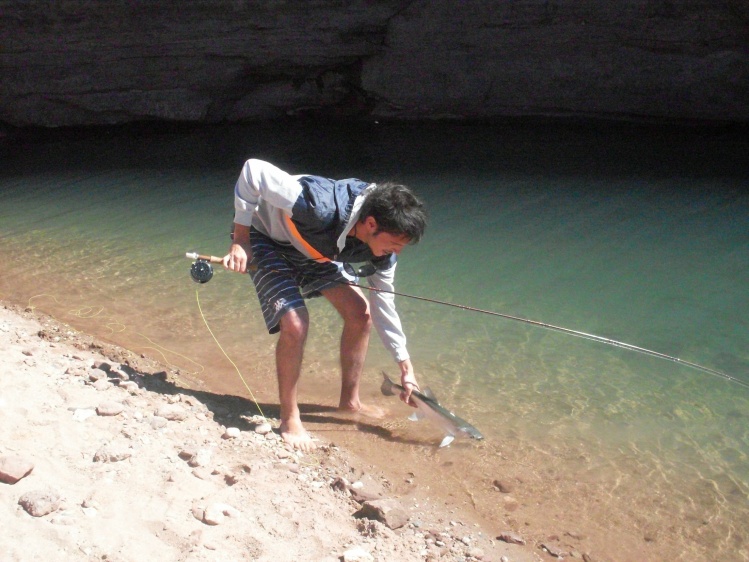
201,271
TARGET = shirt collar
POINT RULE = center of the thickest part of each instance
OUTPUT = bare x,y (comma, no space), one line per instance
354,215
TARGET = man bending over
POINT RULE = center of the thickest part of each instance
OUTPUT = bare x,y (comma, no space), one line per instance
299,237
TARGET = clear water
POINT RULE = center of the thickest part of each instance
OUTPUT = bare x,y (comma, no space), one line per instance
631,233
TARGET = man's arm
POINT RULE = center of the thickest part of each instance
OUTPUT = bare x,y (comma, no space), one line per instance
240,251
388,325
257,181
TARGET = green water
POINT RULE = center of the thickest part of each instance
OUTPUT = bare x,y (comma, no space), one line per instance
631,233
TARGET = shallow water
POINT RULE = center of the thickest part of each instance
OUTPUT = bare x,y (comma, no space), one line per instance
636,234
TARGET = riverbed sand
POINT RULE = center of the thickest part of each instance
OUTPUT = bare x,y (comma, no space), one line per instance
104,455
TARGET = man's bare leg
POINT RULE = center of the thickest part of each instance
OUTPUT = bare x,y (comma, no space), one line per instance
289,353
354,309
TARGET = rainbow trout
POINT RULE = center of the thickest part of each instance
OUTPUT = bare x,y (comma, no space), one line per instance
427,406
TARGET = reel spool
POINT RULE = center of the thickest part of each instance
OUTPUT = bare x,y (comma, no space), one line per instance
201,271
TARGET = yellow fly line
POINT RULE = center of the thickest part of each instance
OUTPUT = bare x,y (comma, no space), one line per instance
197,298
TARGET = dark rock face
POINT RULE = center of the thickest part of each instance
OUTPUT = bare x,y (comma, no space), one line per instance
82,62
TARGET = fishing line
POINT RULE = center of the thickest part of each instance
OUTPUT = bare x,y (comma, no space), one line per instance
206,272
160,349
86,312
197,298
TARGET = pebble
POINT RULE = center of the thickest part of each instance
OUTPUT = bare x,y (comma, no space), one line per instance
97,375
503,486
131,386
119,374
232,433
110,408
40,502
215,513
202,473
387,511
102,385
108,454
201,458
554,549
510,537
82,414
13,468
357,554
171,412
263,428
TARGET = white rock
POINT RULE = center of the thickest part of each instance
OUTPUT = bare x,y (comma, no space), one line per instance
201,458
130,386
263,428
215,513
102,385
232,433
110,408
172,412
357,554
82,414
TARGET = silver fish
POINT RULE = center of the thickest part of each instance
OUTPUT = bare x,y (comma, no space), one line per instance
427,406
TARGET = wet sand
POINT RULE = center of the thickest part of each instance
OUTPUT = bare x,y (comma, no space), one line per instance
106,455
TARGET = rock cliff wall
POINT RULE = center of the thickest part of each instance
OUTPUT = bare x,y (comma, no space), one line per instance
83,62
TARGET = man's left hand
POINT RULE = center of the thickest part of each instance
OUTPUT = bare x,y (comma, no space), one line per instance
408,382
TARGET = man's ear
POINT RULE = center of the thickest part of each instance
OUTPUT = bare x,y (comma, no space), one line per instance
371,223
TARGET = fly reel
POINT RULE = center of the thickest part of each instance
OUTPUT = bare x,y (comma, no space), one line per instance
201,271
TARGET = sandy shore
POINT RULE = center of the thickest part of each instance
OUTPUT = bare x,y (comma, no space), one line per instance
104,455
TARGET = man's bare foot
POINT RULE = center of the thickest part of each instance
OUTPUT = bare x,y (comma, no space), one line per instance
294,434
364,410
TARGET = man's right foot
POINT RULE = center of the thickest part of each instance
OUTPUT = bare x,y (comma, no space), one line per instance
294,435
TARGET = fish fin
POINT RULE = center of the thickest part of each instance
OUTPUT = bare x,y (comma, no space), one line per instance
416,416
387,386
447,440
429,394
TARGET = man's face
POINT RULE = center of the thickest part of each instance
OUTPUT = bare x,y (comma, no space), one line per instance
381,243
384,243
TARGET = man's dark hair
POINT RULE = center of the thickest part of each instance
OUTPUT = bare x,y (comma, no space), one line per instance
397,211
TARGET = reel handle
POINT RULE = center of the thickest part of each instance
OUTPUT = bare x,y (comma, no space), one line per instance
209,259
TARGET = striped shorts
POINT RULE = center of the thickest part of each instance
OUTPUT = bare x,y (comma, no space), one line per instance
284,277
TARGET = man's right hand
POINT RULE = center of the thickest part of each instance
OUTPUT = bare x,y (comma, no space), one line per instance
236,259
240,252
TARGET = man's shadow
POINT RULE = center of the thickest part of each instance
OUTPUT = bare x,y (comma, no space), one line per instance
236,411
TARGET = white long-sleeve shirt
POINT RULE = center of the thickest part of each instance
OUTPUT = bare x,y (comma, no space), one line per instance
266,198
